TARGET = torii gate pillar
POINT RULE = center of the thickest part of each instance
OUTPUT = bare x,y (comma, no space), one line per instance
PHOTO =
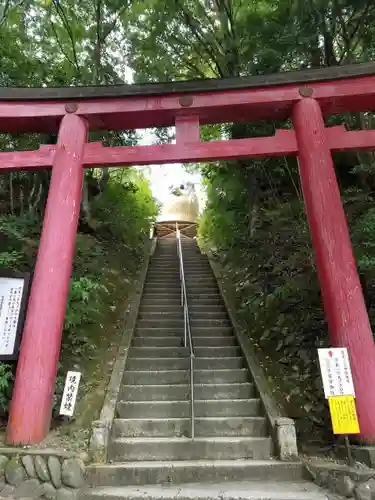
343,299
40,347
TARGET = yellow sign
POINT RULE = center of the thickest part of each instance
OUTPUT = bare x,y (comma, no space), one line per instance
343,415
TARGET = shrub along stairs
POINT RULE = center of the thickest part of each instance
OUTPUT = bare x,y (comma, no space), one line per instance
151,452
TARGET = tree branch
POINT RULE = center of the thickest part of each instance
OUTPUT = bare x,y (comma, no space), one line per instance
6,9
193,25
66,25
61,46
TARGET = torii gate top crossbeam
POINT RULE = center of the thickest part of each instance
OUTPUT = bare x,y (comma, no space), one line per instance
343,89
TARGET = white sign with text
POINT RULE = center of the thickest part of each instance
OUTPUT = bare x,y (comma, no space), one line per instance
69,396
336,372
11,290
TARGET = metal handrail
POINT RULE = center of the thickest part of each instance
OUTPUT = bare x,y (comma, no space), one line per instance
187,331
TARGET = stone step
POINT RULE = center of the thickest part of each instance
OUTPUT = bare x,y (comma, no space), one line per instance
177,341
167,268
160,323
221,376
181,427
197,276
199,341
201,283
199,471
173,280
194,258
165,263
149,301
169,341
194,309
214,313
157,271
179,392
205,272
162,392
201,296
173,297
161,265
183,363
217,352
152,283
157,286
198,307
177,312
165,322
197,272
208,331
206,301
181,409
165,260
197,323
231,426
202,288
159,332
245,490
161,287
173,312
165,254
163,272
179,448
196,263
157,377
183,377
191,280
160,298
147,427
218,363
225,331
164,278
159,352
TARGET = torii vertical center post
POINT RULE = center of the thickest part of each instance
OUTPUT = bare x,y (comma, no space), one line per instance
187,105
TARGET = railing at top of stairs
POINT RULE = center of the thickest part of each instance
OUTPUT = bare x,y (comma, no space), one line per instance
187,331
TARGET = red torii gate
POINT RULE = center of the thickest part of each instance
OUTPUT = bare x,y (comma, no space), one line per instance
304,96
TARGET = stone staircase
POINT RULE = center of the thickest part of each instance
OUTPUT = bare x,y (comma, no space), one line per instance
151,445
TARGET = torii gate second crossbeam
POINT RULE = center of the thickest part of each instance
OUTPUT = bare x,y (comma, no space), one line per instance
304,96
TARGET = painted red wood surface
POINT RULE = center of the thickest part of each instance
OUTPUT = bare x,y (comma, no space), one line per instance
341,289
353,94
282,144
31,405
187,129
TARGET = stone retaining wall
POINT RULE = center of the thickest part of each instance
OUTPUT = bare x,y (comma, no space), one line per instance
356,481
40,474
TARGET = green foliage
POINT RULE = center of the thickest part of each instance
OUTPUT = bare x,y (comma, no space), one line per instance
9,259
6,380
126,209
